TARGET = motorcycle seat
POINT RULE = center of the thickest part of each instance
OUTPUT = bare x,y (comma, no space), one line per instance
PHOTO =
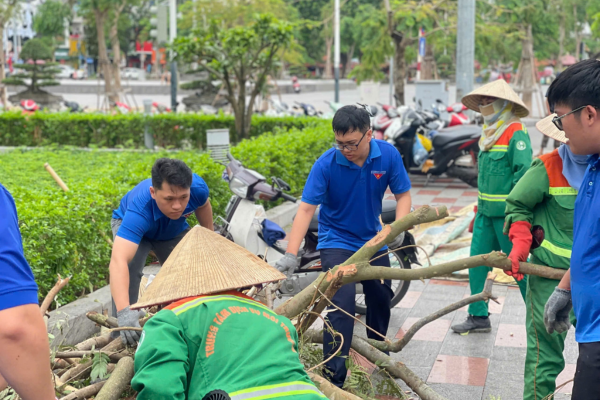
388,215
455,133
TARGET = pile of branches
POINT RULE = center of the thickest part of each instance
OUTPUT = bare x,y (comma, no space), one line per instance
94,359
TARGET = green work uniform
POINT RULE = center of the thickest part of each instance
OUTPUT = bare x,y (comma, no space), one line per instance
500,168
226,342
544,198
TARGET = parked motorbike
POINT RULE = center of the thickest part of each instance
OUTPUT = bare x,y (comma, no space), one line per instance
29,106
243,225
454,149
308,109
296,84
452,115
73,106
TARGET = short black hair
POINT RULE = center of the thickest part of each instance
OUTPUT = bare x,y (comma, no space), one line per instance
577,86
351,118
174,172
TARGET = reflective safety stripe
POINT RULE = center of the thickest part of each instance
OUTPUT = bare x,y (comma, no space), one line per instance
499,148
209,299
280,390
563,191
555,249
492,197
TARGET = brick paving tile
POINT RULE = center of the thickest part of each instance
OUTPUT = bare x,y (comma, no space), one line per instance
510,335
424,192
459,370
470,194
458,186
434,331
455,209
444,282
444,200
409,300
566,375
362,361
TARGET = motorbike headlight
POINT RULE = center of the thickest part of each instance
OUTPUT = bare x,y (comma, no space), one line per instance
238,187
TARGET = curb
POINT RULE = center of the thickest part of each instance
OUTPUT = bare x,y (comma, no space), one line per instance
69,323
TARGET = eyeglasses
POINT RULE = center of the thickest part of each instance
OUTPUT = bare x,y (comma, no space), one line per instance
349,147
557,121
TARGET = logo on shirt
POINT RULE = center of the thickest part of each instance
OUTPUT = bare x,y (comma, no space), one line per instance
378,174
188,214
521,145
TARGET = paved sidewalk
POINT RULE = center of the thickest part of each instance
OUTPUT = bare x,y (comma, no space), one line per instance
448,192
472,367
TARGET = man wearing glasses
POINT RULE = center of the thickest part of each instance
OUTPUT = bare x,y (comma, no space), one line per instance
349,182
575,98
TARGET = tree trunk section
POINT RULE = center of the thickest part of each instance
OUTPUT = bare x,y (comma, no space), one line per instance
561,42
525,82
348,60
399,70
2,69
116,48
103,61
428,66
328,63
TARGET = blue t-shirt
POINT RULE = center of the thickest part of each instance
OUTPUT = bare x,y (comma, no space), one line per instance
17,285
143,219
585,257
351,196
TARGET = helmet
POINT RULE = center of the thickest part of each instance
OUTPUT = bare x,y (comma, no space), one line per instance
29,105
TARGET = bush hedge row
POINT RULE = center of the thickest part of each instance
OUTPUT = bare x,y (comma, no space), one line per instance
67,233
127,130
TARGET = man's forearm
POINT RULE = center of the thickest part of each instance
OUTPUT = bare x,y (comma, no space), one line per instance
565,282
404,202
119,284
24,352
204,215
299,229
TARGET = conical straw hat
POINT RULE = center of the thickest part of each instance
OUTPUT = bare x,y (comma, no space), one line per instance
205,262
500,89
547,127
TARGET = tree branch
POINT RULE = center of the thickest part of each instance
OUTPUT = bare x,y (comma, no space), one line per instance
118,381
400,344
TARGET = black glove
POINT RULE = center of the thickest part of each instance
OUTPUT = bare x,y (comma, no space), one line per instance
129,318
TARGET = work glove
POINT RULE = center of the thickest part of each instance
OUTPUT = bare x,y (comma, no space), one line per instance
520,236
556,311
473,220
397,242
130,318
287,264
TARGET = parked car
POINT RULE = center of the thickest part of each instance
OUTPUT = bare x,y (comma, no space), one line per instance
135,74
68,72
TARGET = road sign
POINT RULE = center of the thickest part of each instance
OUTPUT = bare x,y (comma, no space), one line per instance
422,46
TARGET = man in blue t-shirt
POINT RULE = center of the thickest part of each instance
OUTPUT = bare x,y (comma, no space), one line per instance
24,345
575,98
349,183
152,217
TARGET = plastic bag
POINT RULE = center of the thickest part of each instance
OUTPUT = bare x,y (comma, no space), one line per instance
419,152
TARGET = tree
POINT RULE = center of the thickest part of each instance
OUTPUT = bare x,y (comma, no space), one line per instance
49,21
40,72
238,56
7,9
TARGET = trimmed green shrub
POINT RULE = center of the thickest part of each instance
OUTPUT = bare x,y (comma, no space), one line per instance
67,233
127,130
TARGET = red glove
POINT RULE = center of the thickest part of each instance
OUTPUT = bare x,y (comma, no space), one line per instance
473,221
520,236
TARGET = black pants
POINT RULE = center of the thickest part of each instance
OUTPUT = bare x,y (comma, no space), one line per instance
587,374
377,298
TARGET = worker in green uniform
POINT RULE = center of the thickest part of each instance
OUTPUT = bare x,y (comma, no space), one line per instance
539,218
504,157
212,342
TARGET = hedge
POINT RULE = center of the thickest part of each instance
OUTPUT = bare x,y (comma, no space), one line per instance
127,130
67,233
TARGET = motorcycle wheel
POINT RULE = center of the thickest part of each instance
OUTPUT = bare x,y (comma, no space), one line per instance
467,175
398,287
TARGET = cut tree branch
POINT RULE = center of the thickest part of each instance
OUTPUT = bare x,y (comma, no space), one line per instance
400,344
395,369
119,380
86,392
331,391
61,283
